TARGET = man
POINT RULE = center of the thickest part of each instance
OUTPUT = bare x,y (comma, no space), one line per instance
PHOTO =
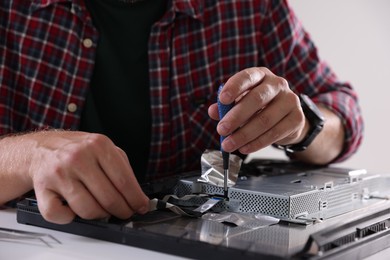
98,94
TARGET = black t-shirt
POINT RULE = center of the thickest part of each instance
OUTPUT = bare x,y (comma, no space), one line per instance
118,102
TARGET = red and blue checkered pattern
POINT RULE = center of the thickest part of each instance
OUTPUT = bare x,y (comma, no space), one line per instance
194,47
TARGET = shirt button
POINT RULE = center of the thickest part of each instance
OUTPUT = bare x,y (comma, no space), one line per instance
72,107
87,43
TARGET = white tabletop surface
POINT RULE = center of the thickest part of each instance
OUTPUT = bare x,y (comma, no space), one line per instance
70,246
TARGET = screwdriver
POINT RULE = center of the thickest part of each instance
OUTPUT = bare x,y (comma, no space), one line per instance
223,109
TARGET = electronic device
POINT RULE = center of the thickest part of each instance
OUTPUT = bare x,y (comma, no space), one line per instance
324,212
293,193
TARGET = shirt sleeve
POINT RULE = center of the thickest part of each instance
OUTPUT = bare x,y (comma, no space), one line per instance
289,52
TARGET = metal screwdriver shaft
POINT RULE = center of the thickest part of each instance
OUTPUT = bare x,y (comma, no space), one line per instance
223,109
225,157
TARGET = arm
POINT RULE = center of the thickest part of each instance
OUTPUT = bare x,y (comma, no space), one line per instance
86,170
14,165
307,73
267,107
330,140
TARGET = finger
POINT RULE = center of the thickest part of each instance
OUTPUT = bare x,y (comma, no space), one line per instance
81,201
255,100
118,170
262,121
105,193
131,189
91,180
213,111
287,129
240,83
52,208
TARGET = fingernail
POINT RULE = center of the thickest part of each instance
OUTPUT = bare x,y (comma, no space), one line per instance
223,128
226,97
143,210
244,150
228,144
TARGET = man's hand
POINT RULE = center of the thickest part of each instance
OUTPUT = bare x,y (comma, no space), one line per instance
266,112
77,173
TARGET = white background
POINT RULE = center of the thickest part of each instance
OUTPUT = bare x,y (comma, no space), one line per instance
353,36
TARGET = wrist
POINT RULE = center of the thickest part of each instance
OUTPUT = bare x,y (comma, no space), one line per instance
314,122
15,162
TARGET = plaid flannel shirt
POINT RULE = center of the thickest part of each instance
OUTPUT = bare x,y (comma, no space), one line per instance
47,51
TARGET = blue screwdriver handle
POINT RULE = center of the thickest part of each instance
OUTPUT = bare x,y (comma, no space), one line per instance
223,109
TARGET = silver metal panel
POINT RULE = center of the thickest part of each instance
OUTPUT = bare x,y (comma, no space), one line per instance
321,193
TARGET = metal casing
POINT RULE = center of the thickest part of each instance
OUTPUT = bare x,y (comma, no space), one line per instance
319,193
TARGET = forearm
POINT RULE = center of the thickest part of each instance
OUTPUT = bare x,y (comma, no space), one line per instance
328,145
14,164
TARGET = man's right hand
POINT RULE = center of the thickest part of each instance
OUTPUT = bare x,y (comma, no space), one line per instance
78,173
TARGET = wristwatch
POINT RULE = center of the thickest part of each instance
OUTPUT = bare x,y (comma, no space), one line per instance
316,121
